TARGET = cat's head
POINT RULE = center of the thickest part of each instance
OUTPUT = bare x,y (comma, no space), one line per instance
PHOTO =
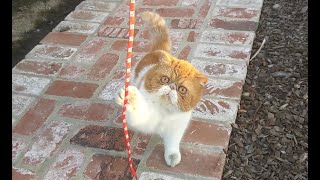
176,82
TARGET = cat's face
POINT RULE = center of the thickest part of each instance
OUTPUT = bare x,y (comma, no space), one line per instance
176,83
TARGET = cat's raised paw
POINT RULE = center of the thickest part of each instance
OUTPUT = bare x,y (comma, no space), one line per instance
173,159
132,97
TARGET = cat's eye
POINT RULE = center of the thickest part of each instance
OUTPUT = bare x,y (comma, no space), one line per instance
164,79
182,89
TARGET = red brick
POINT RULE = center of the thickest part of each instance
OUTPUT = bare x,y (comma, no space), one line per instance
177,39
114,32
223,52
145,34
192,3
224,89
138,21
205,8
219,110
136,58
186,23
118,79
243,3
122,10
109,167
119,45
126,36
22,174
117,121
71,89
103,66
28,84
160,2
97,6
85,110
91,16
20,103
138,46
104,31
18,146
76,27
194,161
38,67
124,33
90,51
66,165
101,137
175,12
227,37
184,52
47,143
110,89
113,21
35,117
221,69
236,12
64,39
175,35
141,46
51,52
240,25
156,176
192,36
140,144
139,11
206,133
119,73
72,71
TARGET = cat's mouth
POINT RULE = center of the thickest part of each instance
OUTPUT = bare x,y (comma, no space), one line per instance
165,98
168,98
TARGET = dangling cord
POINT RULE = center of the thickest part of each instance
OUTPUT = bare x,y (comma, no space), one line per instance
127,83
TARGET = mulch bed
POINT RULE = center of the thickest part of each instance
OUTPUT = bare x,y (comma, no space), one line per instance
270,137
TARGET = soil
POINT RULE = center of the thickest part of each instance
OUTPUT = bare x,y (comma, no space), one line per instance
32,20
270,137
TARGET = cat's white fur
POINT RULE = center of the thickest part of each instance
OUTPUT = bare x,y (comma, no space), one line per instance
146,114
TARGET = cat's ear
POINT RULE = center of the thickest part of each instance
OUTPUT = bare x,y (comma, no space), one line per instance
202,79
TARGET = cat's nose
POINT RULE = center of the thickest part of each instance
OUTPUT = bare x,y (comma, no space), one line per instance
173,86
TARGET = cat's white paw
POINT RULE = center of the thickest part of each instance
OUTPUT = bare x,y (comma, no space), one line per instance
172,159
132,97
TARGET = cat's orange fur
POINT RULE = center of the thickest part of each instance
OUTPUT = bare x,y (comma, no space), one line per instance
181,72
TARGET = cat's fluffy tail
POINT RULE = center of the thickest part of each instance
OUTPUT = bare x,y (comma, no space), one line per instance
160,32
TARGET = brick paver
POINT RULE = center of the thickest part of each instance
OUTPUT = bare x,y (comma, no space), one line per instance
65,123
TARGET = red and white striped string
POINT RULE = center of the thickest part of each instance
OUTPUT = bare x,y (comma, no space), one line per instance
127,82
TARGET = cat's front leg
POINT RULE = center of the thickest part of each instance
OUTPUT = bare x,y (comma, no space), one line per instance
133,98
172,153
138,112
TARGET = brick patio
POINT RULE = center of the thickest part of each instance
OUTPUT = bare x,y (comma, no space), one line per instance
65,123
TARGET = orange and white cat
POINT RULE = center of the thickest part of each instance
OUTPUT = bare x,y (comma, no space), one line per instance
164,91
